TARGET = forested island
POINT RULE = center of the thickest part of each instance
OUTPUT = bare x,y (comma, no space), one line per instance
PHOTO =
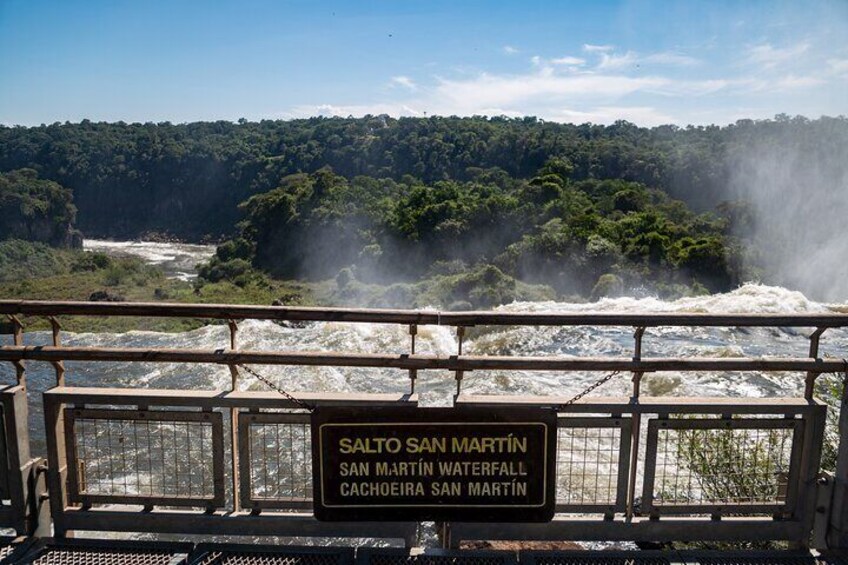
451,212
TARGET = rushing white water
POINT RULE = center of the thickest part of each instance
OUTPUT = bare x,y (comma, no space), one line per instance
177,260
437,387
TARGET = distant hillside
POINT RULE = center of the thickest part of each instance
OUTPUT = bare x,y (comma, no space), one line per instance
187,180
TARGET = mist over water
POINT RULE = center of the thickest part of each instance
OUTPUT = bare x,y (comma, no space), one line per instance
436,388
797,186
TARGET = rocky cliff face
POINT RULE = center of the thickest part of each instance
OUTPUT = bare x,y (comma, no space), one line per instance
34,209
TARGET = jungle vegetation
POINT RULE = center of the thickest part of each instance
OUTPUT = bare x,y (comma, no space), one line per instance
472,210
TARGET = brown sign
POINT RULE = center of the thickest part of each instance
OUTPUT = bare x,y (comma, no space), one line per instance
452,464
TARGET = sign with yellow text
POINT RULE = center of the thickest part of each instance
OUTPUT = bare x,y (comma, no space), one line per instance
452,464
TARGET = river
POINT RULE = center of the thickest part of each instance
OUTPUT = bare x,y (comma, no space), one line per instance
436,388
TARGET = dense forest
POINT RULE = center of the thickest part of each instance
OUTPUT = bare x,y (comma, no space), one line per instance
33,209
582,209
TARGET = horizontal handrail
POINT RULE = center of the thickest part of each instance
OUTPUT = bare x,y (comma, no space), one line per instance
417,361
422,317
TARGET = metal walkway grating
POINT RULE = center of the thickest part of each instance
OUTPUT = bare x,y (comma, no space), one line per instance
11,550
761,558
597,558
207,554
104,552
402,557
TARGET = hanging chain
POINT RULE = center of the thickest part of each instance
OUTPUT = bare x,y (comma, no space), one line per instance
589,389
270,384
277,389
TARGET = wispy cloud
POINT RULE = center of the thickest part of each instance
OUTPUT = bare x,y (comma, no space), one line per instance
572,61
607,84
612,61
589,48
767,56
405,82
510,50
643,115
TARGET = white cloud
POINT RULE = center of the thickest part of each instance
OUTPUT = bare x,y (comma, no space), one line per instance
404,81
505,91
510,50
613,61
596,48
342,110
642,115
605,86
768,57
573,61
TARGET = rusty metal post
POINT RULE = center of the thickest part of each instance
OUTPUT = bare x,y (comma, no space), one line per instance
58,366
635,428
234,435
837,537
57,463
810,382
18,339
460,335
413,373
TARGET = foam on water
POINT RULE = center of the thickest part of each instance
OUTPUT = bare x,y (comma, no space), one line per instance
177,260
437,387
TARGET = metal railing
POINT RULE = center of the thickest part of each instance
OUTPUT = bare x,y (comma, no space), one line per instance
633,468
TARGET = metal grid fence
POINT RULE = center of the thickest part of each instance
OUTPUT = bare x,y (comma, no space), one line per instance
592,463
276,460
725,465
145,457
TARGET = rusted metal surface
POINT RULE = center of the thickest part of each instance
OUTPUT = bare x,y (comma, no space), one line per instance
593,458
405,361
158,457
743,461
420,317
275,460
606,455
22,486
75,509
837,535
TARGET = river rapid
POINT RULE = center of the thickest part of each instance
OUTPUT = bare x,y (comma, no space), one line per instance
436,388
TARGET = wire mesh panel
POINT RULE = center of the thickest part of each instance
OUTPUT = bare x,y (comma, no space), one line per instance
593,457
709,465
145,457
275,460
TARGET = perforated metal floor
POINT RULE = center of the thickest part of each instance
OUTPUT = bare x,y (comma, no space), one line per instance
11,550
402,557
103,552
762,559
252,555
595,558
113,552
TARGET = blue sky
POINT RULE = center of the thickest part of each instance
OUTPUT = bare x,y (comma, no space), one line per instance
644,61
